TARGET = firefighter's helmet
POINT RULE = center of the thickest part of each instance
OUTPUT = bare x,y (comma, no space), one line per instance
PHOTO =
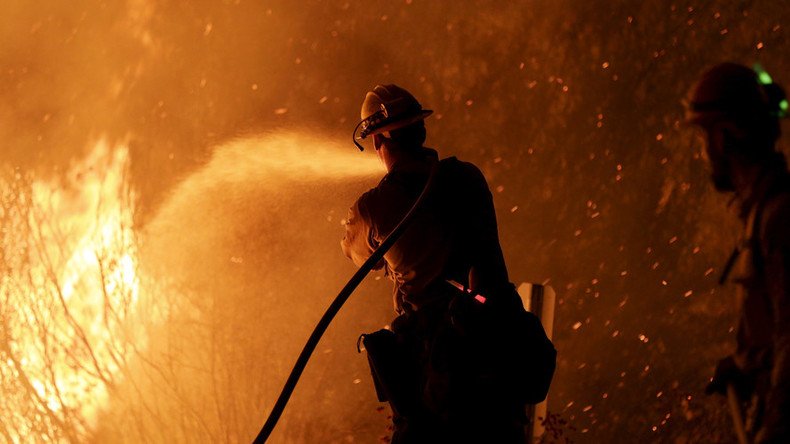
736,92
386,108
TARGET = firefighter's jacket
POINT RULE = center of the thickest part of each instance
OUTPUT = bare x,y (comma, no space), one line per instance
762,272
453,234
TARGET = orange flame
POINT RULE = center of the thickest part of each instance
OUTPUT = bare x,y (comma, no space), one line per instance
69,292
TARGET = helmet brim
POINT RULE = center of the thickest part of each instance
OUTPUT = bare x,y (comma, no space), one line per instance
700,114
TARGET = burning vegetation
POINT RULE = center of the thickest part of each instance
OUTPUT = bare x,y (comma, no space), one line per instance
173,176
69,294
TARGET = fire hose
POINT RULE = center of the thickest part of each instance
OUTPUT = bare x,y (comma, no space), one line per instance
334,308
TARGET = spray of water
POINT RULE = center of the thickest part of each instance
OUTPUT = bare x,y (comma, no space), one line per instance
254,167
240,262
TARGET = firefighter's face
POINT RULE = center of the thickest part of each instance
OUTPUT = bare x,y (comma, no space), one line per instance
379,142
718,141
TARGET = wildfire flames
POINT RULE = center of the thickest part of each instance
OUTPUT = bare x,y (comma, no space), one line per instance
68,294
223,129
87,355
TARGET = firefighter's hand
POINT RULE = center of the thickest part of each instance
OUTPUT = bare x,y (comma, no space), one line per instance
727,372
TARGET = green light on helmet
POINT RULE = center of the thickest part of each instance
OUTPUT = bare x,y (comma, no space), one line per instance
783,107
762,76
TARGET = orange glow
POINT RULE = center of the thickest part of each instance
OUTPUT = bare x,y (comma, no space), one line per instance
68,296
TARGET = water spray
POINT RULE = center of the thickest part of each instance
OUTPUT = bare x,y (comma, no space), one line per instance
334,308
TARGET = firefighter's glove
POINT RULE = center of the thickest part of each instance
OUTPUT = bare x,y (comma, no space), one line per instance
727,372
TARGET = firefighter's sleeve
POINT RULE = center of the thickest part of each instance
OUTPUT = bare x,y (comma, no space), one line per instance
776,247
357,243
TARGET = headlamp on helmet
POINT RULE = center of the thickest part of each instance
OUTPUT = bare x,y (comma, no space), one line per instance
774,93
